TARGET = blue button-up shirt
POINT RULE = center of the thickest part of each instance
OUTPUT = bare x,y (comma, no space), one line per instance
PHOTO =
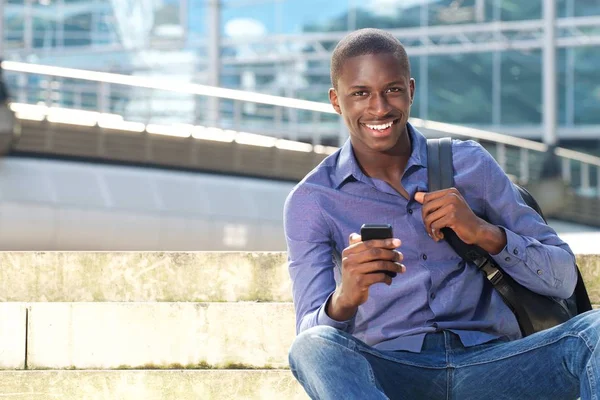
438,290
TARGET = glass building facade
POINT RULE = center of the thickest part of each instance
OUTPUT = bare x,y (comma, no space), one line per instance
476,62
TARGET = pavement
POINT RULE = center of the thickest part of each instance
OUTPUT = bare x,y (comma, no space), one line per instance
582,239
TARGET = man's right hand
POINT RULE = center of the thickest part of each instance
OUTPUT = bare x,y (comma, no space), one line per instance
363,264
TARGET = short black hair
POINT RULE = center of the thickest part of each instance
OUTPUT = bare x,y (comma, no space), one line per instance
366,41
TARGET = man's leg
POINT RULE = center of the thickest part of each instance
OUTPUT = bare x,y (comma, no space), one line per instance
559,363
331,364
328,364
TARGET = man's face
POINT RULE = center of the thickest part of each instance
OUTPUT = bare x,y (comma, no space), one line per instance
374,95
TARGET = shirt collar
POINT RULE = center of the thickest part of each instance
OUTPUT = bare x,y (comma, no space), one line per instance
347,165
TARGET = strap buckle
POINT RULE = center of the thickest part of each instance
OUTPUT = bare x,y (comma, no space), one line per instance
492,273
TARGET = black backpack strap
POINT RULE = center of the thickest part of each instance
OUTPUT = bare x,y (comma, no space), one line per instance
439,164
582,298
434,172
446,166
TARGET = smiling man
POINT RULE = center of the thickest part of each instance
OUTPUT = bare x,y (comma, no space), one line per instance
437,330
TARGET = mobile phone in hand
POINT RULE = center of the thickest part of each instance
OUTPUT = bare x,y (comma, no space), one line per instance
377,231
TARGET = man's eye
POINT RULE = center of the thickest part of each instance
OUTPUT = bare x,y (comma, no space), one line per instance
359,93
395,90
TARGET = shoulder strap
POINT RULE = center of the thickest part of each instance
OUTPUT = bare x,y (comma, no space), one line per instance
439,164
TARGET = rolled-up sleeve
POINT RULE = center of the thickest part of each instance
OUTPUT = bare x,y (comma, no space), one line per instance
310,260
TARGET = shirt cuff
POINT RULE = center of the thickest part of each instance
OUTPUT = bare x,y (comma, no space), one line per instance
514,251
324,319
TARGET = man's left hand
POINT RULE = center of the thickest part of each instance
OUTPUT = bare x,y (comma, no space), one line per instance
448,209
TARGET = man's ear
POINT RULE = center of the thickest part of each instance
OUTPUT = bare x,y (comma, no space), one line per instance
333,99
412,89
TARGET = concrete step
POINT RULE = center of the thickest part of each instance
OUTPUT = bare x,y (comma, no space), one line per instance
150,385
143,276
145,335
170,277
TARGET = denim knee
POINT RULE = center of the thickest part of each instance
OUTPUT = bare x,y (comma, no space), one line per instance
587,326
311,346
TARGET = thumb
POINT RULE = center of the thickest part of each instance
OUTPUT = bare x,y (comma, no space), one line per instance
354,238
420,197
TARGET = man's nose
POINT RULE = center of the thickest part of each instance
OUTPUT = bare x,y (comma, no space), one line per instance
379,106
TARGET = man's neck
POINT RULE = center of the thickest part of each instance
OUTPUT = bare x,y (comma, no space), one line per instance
388,166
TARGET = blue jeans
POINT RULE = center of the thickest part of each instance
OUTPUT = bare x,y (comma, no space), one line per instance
558,363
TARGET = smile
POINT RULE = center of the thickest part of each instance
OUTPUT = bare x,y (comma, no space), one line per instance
380,127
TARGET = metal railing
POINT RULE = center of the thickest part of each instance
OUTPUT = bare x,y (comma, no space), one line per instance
150,101
183,108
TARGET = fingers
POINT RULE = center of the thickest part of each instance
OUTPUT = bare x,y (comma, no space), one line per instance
433,204
376,277
376,257
356,245
371,253
441,218
439,210
370,257
420,197
425,197
375,271
354,238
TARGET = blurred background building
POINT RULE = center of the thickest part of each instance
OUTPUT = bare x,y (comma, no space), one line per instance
476,62
523,69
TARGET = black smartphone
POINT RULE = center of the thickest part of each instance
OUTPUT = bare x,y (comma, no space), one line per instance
377,231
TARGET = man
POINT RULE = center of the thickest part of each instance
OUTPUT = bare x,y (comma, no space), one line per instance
437,330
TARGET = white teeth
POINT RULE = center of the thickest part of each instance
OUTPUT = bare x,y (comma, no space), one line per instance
380,127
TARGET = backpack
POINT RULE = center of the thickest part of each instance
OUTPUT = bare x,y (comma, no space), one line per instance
534,312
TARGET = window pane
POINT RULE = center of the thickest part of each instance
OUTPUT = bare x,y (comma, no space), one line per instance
243,20
455,12
299,16
585,8
521,88
388,14
460,88
517,10
587,86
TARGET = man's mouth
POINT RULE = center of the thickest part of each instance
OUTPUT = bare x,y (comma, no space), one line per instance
381,128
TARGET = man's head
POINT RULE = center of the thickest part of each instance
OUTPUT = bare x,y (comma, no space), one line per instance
372,90
366,41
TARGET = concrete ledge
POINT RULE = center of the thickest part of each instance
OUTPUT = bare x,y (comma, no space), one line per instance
159,335
150,385
143,276
168,277
13,317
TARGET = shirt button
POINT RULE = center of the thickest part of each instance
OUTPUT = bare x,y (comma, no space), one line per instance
539,272
515,252
507,259
432,295
410,211
424,256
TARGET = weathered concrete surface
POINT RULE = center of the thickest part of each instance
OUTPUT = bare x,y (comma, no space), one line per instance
150,385
12,335
164,335
143,276
589,265
170,276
